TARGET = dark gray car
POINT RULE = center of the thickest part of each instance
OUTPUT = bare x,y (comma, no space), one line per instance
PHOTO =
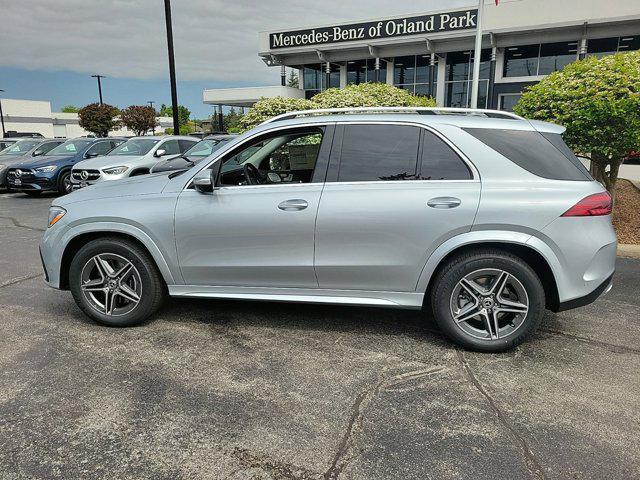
21,151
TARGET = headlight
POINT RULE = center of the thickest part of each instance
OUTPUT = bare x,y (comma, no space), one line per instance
115,170
55,214
47,169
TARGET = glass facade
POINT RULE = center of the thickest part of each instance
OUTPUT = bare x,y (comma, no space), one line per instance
412,73
608,46
314,78
458,76
538,59
361,71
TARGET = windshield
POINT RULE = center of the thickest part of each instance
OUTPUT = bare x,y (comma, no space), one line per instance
135,146
20,148
205,148
70,147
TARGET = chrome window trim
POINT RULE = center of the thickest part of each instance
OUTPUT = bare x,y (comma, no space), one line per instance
474,171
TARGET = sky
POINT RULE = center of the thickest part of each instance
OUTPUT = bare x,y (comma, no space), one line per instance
49,48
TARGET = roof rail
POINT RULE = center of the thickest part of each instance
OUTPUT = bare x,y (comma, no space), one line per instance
418,110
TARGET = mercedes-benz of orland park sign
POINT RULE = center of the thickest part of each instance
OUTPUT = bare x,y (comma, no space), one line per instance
438,22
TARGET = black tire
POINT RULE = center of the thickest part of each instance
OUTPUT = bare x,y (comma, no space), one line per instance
64,183
463,333
152,287
32,193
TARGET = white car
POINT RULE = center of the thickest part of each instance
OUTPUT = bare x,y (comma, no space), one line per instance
134,157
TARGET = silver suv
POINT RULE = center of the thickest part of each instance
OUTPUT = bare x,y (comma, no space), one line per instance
481,217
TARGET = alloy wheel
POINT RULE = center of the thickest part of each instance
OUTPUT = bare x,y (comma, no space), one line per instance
489,304
111,284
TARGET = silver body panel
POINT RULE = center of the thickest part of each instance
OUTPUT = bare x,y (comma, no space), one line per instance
369,243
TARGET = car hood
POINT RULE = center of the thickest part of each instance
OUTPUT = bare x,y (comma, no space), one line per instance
44,160
126,187
13,159
106,161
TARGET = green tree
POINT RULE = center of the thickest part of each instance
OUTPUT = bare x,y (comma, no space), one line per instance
598,101
231,120
140,119
99,119
363,95
292,81
70,109
183,113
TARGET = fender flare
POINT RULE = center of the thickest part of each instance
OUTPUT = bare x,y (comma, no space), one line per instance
491,236
124,229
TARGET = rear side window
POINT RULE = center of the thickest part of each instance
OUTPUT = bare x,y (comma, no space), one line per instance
439,161
531,151
186,145
379,152
556,140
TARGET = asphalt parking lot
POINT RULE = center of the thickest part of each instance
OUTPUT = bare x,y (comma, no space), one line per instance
217,389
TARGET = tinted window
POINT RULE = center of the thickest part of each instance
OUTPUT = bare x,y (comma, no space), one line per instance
70,147
170,147
439,161
531,151
100,148
186,145
46,147
378,152
557,141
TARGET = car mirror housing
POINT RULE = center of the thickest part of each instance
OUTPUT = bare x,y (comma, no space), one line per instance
204,181
160,152
37,153
90,155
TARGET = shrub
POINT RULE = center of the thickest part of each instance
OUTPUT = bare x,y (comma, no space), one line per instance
363,95
598,101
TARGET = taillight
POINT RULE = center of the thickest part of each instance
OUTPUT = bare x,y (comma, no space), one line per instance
593,205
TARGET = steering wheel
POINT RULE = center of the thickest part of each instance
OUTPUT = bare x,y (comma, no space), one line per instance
253,175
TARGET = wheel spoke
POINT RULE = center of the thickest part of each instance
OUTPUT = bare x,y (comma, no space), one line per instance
512,306
123,272
93,285
499,284
108,301
103,266
126,292
472,287
467,313
489,324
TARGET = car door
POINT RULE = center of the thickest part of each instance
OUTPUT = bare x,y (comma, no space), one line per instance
262,234
394,192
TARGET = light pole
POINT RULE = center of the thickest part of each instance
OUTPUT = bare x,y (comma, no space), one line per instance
151,102
2,116
477,53
99,86
172,68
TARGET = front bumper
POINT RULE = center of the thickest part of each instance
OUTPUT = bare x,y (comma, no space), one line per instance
31,181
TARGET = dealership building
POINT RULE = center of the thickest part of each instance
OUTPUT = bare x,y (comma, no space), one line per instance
431,53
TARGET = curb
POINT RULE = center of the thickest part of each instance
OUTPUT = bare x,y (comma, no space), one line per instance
629,250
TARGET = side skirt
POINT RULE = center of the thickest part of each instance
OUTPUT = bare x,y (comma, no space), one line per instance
411,300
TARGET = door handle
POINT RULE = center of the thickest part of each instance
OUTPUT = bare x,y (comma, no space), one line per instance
293,204
444,202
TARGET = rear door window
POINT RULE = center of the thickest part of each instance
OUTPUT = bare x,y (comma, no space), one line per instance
532,151
170,147
379,152
439,161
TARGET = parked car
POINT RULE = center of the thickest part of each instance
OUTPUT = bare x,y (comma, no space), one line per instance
134,157
21,151
5,142
474,216
53,172
188,159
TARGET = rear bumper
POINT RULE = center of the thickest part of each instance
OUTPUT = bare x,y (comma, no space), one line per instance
601,289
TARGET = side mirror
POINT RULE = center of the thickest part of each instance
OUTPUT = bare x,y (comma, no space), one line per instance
160,152
205,180
90,154
38,152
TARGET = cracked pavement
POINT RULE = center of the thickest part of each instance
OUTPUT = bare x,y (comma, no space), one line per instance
251,390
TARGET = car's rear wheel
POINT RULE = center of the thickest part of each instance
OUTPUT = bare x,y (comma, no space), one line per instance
487,300
64,183
115,282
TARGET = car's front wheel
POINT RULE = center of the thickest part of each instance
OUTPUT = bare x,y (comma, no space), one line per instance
487,300
115,282
64,183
